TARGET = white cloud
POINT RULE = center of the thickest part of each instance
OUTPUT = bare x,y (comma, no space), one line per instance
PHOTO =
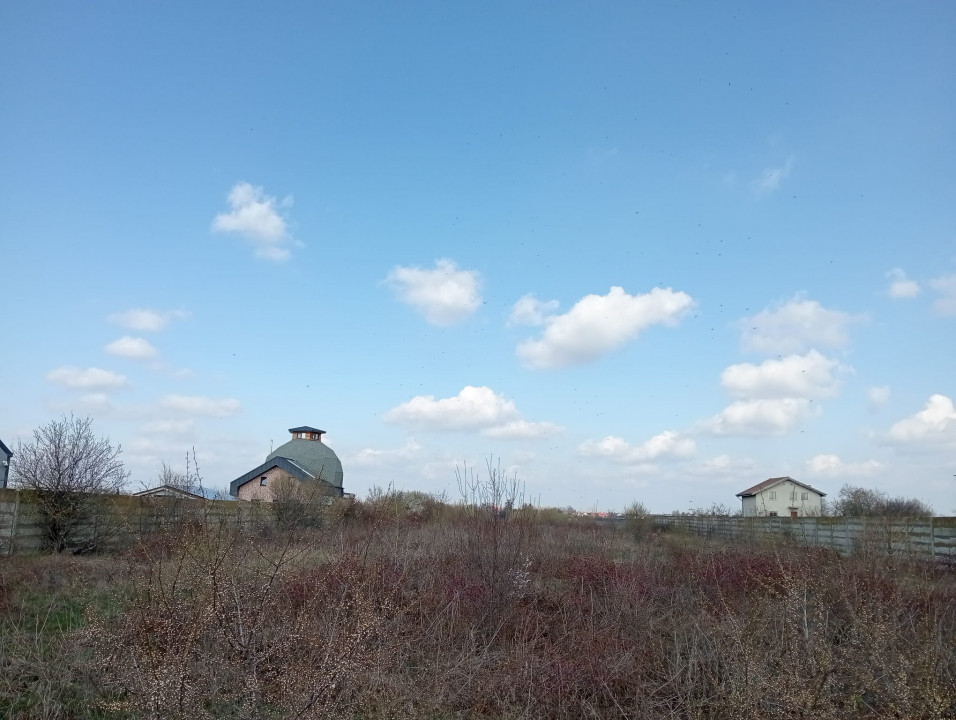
200,405
523,430
878,396
445,296
531,311
372,457
829,465
255,216
598,324
473,407
795,326
98,403
89,379
935,424
945,285
795,376
765,416
901,286
771,178
147,320
170,427
724,465
132,347
667,444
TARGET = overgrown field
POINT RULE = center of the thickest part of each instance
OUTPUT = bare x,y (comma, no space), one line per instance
458,612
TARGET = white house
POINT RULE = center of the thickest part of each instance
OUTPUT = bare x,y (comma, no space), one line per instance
783,497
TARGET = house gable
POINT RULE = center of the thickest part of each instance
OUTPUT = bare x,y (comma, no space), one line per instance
773,482
781,496
289,467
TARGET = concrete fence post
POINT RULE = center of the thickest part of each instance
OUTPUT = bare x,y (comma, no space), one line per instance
13,524
932,537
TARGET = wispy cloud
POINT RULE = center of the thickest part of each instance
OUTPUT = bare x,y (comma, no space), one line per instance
201,405
134,348
877,397
945,286
375,457
598,324
256,217
796,326
445,295
146,320
810,375
668,444
764,416
88,379
901,287
473,407
523,430
531,311
771,178
829,465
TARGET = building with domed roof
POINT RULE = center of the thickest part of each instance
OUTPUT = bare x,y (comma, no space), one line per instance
305,459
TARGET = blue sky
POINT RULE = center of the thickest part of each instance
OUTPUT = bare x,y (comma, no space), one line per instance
651,253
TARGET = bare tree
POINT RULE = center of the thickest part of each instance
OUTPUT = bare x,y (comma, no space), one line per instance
70,470
859,501
171,477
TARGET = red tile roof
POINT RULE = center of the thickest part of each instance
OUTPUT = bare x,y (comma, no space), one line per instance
761,486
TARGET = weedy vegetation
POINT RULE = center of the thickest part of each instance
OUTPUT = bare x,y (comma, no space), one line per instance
407,606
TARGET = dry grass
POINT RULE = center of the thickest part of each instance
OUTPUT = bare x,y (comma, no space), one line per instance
468,612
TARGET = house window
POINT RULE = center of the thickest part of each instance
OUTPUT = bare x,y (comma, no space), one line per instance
793,495
773,513
773,494
263,481
315,436
804,496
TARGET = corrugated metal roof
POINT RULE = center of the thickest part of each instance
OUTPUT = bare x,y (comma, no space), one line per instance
769,483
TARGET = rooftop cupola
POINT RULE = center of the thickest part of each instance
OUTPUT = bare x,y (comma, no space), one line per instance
307,433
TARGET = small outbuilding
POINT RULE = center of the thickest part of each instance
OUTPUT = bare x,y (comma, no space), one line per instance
6,454
304,462
168,491
781,497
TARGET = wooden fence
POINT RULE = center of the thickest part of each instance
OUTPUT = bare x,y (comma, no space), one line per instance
927,537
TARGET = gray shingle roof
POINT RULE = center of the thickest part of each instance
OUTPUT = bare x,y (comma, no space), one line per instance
313,456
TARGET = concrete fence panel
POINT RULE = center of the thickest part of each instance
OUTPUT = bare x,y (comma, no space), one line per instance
927,537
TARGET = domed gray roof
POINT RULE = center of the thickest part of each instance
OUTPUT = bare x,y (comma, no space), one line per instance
313,456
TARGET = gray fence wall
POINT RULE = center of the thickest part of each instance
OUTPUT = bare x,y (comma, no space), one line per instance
929,537
123,517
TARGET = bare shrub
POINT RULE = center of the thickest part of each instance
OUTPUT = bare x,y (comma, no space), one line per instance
474,615
637,520
70,471
495,540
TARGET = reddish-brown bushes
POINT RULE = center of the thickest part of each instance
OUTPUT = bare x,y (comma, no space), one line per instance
492,616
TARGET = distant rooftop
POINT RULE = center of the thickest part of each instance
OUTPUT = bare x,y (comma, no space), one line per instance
759,487
306,428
